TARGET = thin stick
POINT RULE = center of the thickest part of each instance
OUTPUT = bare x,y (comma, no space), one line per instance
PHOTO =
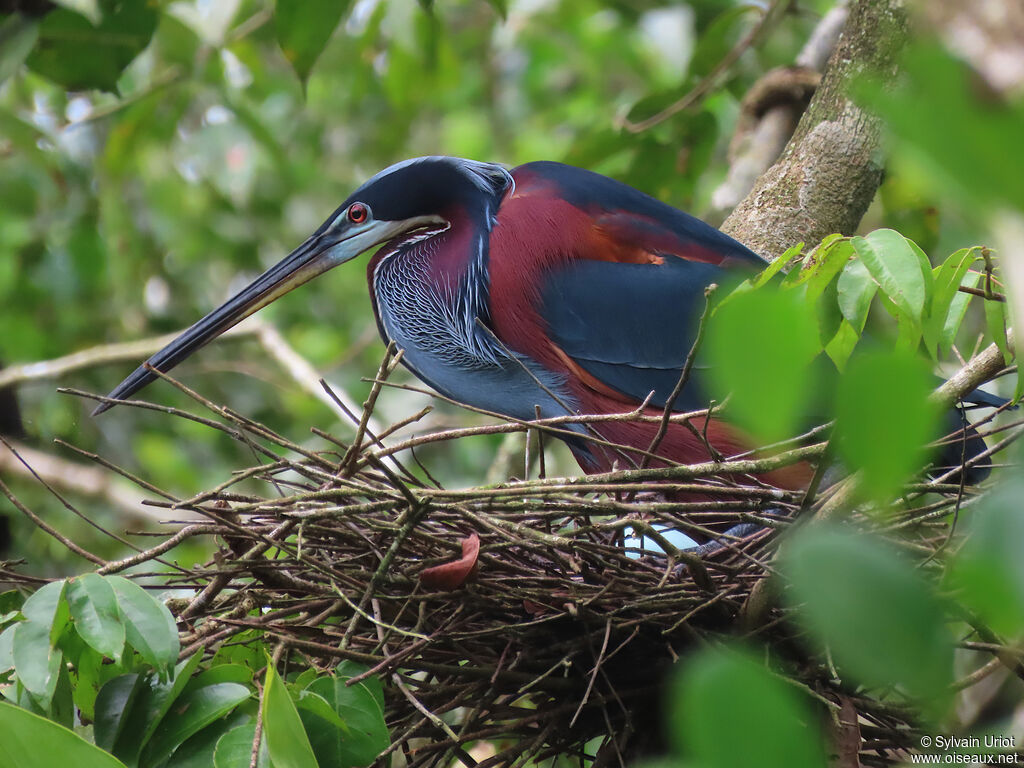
684,377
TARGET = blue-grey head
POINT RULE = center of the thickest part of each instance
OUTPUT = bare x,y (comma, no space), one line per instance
410,200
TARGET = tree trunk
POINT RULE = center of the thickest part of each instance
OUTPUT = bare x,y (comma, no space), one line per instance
831,168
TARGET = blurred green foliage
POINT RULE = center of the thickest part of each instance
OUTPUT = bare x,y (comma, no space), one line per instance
866,604
987,574
759,331
776,720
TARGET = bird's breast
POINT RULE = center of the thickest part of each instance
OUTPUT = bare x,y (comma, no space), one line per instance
438,320
426,310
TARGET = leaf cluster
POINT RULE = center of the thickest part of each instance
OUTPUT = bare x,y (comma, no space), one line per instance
103,647
876,382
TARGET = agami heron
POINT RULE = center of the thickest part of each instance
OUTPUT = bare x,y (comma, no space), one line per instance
548,289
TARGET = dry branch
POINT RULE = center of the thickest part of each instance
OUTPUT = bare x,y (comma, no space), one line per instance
72,477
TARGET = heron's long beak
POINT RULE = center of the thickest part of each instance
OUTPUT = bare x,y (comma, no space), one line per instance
314,257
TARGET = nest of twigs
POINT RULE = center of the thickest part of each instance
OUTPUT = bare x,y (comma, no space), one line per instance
560,635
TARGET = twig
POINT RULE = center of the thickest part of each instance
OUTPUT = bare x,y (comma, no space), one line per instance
709,82
684,377
73,477
42,525
304,374
105,354
594,672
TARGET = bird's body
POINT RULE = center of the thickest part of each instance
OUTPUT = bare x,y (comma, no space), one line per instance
563,291
546,290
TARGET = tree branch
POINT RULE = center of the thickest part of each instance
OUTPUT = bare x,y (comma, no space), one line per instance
830,170
77,478
105,354
771,111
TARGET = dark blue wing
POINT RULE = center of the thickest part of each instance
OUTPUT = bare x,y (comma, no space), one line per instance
631,326
626,306
628,316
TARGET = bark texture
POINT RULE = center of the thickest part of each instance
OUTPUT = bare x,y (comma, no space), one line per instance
831,168
770,113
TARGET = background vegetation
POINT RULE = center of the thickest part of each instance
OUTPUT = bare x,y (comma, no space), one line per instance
154,157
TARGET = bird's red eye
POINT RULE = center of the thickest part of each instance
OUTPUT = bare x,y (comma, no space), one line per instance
357,213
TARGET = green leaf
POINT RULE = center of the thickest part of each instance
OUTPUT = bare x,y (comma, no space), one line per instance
347,669
856,290
776,266
36,661
234,748
47,606
908,339
364,734
30,741
77,55
87,682
811,263
727,710
223,673
755,333
62,706
880,620
192,712
826,311
199,751
93,607
19,695
11,601
995,321
988,571
317,705
114,704
896,267
957,309
152,705
926,268
18,34
304,678
88,8
7,648
884,418
150,627
303,28
835,256
842,345
948,278
287,741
